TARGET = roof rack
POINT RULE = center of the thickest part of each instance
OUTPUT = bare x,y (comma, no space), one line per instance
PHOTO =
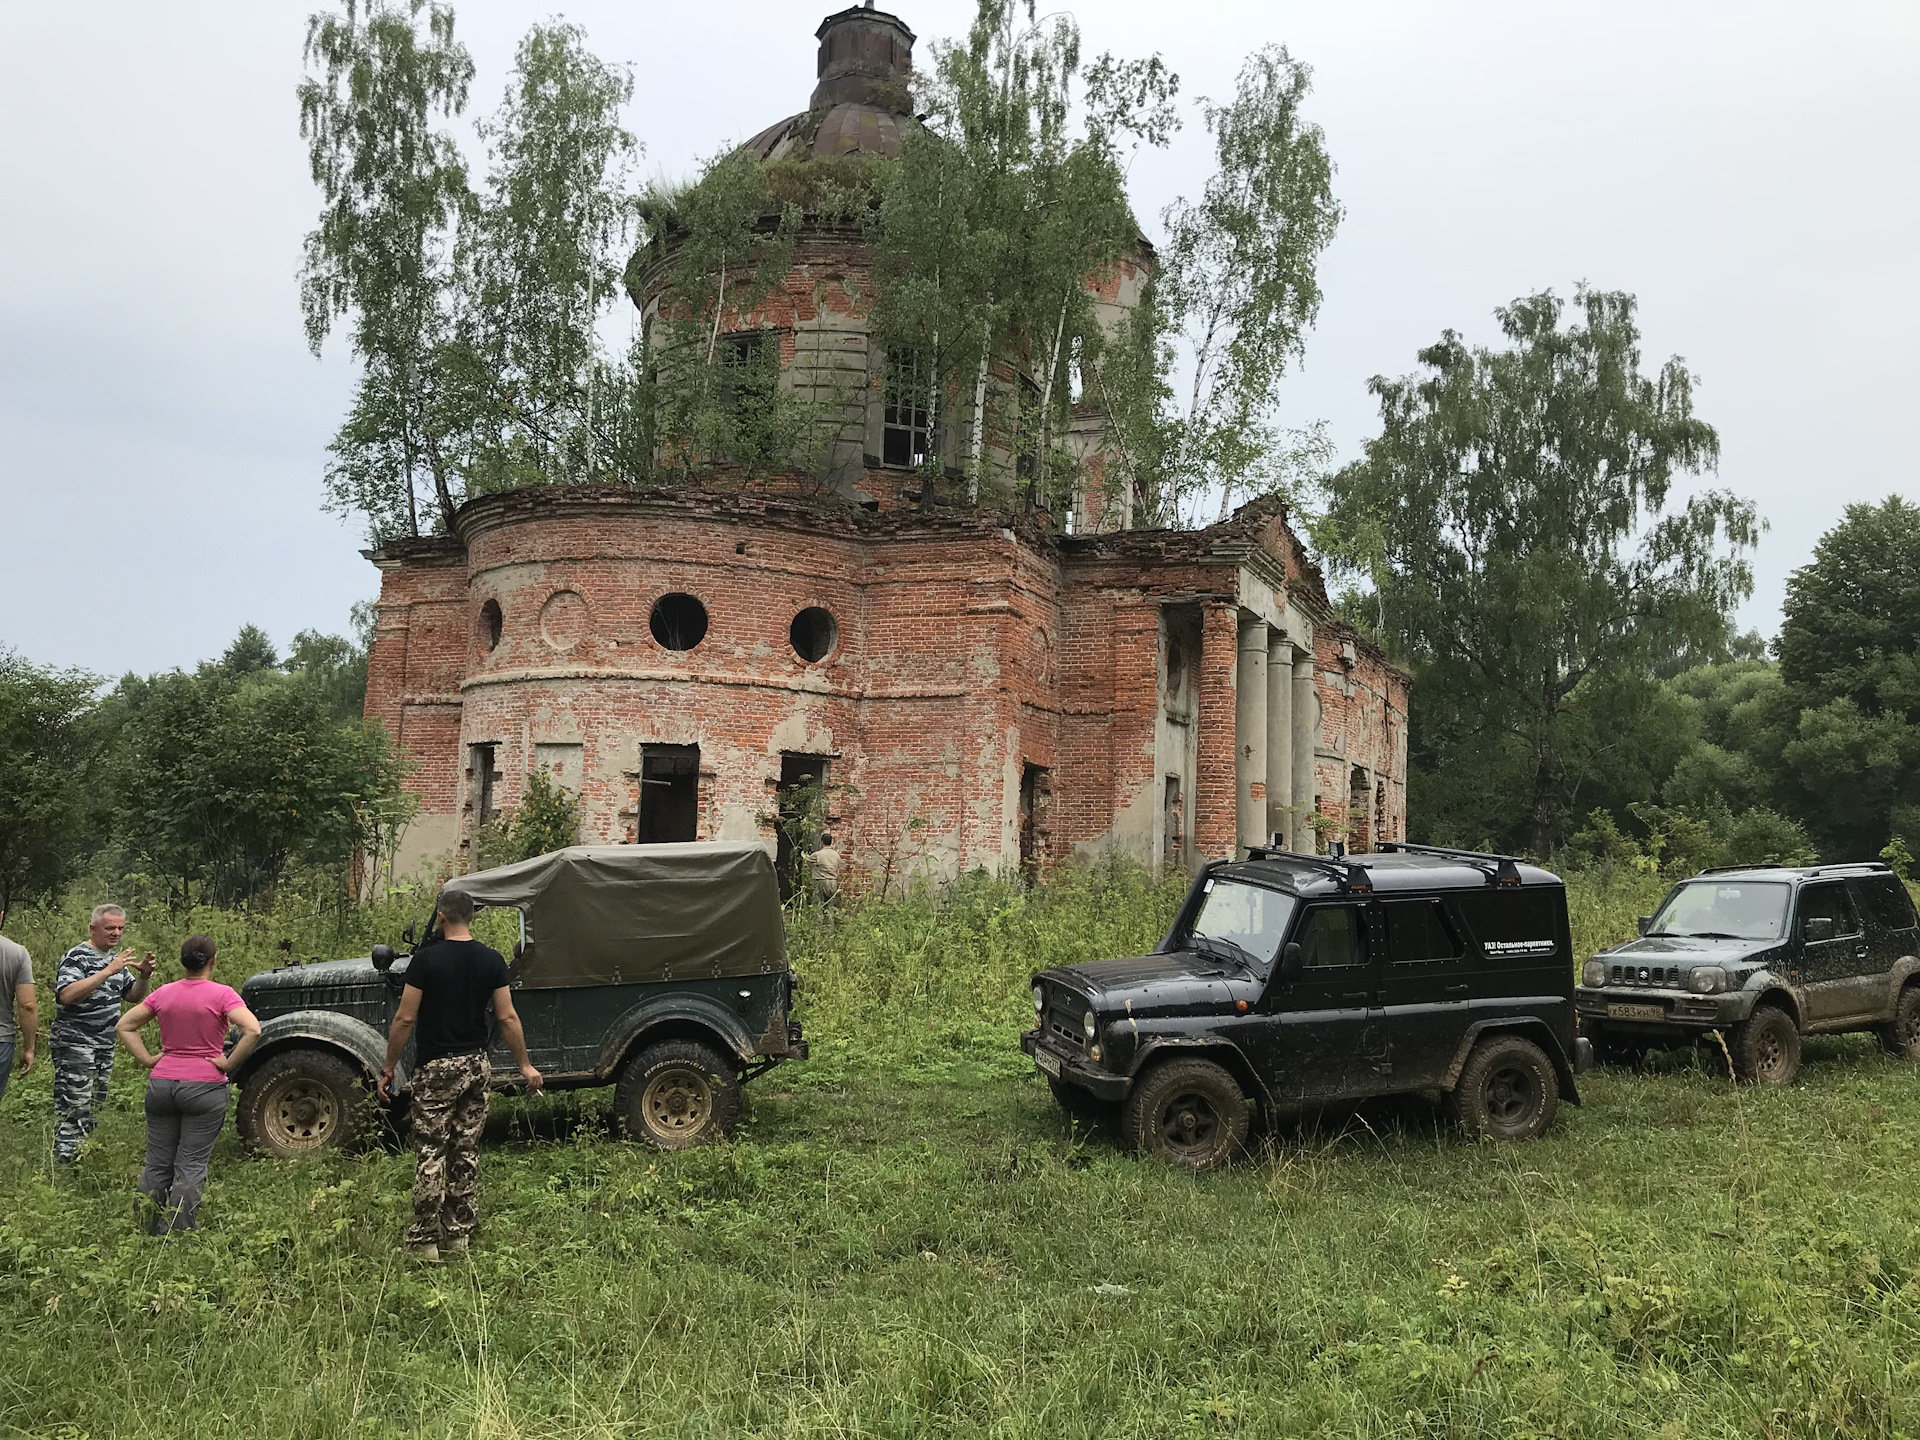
1351,874
1810,869
1499,869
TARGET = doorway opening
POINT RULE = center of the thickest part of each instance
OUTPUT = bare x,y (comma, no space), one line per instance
669,794
802,815
1174,821
1359,828
1035,791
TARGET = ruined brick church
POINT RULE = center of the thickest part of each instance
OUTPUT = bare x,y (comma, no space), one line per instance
973,686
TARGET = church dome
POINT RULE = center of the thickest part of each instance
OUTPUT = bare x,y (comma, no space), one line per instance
862,103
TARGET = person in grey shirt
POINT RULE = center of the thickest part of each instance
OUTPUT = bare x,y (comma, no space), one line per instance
16,997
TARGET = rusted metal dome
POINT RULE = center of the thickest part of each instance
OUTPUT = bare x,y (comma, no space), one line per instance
862,104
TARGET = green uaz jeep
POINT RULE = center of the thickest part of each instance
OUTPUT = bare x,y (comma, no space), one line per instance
658,969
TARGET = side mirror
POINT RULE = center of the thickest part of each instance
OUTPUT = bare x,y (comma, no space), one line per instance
1819,927
407,935
1643,923
383,958
1290,960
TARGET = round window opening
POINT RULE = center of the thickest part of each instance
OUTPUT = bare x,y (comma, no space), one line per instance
814,634
678,622
490,622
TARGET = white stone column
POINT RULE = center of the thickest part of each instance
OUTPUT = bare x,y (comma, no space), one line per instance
1306,721
1250,733
1279,736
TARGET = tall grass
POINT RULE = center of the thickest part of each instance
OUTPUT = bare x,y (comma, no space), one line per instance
908,1239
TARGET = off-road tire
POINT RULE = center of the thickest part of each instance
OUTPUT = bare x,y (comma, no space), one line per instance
1508,1090
1901,1036
676,1094
1081,1105
1766,1047
302,1101
1187,1112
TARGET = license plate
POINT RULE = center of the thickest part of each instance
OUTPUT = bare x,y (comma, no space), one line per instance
1636,1012
1048,1062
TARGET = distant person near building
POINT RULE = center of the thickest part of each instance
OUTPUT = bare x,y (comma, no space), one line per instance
451,984
826,871
187,1096
89,987
16,999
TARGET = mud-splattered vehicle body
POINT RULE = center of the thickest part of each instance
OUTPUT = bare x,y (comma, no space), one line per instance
659,969
1290,981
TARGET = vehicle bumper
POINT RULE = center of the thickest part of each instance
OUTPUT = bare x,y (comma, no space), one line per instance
1679,1012
1101,1084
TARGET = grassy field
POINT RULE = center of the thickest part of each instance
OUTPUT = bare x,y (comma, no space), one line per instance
909,1240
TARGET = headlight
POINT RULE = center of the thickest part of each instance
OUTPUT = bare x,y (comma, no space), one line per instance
1039,1000
1706,979
1089,1024
1594,974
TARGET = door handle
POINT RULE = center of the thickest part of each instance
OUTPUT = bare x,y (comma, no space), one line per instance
1861,953
1362,995
1453,991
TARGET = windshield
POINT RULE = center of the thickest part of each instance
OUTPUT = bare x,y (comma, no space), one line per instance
1247,917
1725,909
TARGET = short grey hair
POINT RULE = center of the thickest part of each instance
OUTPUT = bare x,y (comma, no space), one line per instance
100,912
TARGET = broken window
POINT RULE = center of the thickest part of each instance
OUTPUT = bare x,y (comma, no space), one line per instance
906,421
1026,436
480,770
491,623
669,794
678,622
1035,791
748,364
814,633
802,815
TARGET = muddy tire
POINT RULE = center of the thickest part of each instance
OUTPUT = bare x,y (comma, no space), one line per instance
1508,1090
1901,1038
676,1094
1187,1112
302,1101
1081,1105
1766,1048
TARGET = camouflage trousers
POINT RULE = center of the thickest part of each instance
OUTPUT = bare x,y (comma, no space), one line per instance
81,1069
449,1112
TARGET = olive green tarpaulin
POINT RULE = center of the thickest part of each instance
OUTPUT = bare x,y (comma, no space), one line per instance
612,914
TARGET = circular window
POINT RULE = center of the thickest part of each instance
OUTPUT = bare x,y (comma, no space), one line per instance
814,634
678,622
490,622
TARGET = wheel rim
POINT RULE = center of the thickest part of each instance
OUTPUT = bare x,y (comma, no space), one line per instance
1511,1095
1770,1054
302,1114
1189,1125
677,1102
1908,1030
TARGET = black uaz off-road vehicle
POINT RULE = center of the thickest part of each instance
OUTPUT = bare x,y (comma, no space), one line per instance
660,969
1763,956
1292,980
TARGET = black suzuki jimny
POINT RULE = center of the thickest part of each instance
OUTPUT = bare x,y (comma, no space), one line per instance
1760,957
1289,980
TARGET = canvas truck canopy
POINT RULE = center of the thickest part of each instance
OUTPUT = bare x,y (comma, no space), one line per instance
614,914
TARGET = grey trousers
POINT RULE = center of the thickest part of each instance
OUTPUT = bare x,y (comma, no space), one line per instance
6,1065
183,1120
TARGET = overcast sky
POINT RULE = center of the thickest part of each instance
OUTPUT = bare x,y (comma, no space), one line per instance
1747,169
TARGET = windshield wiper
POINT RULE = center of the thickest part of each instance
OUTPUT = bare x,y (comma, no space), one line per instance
1704,935
1206,945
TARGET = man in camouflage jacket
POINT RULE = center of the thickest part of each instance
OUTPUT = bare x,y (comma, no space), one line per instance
90,986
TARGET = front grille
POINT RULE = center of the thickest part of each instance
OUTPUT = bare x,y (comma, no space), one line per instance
1065,1028
1667,976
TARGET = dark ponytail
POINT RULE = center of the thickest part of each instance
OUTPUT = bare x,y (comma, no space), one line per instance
197,954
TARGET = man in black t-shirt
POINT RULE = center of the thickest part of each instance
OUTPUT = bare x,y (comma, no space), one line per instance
451,984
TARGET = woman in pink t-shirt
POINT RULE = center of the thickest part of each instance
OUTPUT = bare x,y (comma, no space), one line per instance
187,1096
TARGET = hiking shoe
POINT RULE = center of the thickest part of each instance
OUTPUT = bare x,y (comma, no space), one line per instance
427,1254
454,1249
